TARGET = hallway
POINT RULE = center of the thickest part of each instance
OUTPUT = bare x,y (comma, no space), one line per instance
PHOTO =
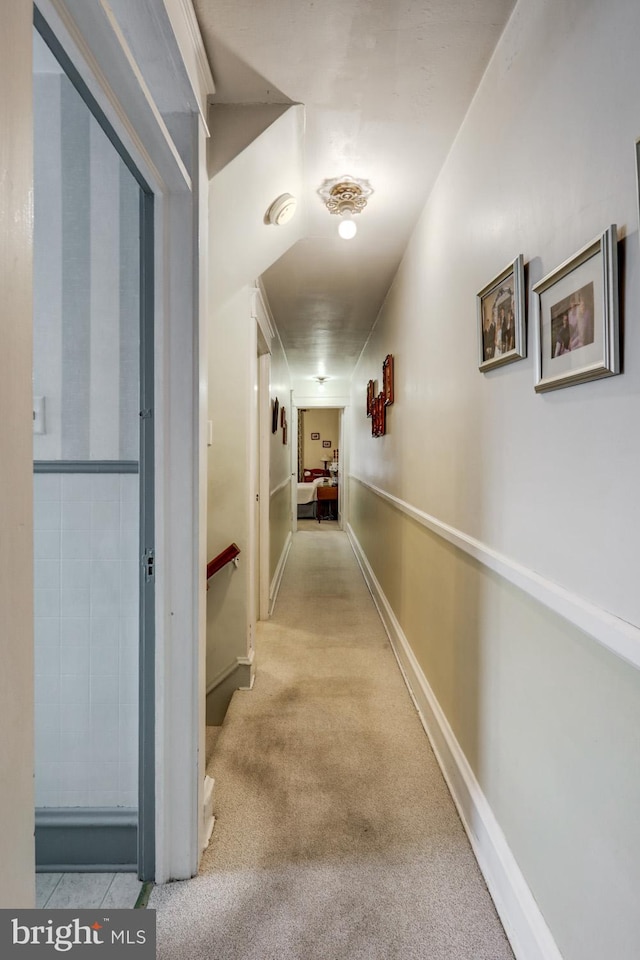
335,835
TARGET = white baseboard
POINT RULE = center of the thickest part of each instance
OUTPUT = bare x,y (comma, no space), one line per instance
528,934
248,666
277,577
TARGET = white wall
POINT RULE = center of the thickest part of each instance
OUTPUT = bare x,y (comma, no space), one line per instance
543,163
242,245
232,358
17,876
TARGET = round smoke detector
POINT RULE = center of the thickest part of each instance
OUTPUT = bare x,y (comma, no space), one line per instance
281,210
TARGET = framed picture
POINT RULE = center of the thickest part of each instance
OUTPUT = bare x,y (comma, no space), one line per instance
371,392
577,327
284,433
274,418
378,416
283,417
326,443
501,323
315,436
387,379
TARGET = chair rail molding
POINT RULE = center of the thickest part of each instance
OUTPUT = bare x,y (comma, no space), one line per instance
617,635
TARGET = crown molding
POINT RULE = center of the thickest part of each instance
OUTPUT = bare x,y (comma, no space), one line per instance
186,30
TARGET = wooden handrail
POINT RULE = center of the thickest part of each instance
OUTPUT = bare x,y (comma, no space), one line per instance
228,555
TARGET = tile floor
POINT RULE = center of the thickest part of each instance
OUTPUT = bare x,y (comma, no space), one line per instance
81,891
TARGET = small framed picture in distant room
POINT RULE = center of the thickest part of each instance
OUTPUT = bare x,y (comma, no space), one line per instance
501,322
315,436
577,326
326,443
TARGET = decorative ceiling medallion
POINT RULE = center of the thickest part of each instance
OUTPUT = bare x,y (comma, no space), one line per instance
345,195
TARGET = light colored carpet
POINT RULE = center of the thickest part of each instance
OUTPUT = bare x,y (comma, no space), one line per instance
335,836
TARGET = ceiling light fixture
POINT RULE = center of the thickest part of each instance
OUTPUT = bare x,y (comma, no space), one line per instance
322,380
281,210
347,228
346,196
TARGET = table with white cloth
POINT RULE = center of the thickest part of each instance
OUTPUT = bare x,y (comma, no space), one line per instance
308,498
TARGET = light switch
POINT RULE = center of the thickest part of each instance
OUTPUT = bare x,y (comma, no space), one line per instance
39,425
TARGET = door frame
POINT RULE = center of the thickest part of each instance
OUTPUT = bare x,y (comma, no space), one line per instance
95,44
146,454
342,407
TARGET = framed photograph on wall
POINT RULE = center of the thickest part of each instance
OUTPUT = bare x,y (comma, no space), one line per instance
577,326
501,322
387,379
315,436
274,418
371,392
378,416
326,443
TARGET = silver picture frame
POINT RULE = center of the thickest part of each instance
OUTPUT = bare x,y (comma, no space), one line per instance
577,321
501,318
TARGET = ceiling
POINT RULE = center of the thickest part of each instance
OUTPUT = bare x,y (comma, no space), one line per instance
385,85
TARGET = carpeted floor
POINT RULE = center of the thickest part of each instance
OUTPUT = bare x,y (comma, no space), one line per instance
335,835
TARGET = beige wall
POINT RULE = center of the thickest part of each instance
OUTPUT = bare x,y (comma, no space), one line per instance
327,424
547,718
280,526
17,857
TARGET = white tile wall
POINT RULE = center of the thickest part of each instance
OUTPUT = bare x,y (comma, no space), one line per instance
86,632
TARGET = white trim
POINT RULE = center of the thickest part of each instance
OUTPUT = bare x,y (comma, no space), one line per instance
222,675
248,662
523,922
261,311
264,467
189,39
280,487
618,636
230,669
135,69
70,35
89,40
201,182
277,577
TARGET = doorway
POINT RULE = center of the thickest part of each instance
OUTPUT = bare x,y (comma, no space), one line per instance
93,483
319,496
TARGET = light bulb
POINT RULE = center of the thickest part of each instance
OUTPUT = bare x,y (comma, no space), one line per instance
347,229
